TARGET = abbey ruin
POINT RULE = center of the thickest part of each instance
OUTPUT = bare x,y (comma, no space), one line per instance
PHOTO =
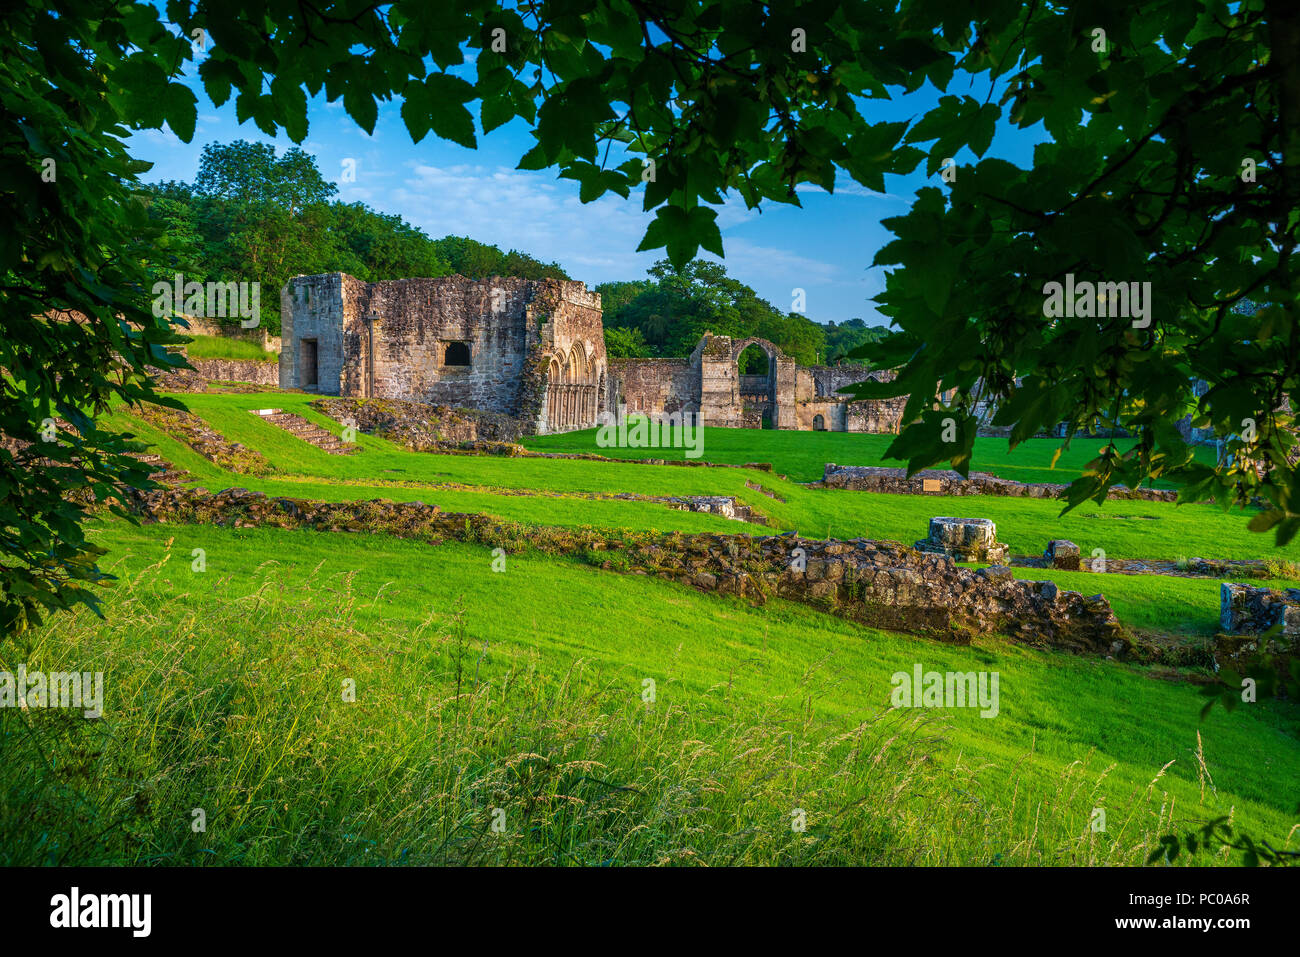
535,350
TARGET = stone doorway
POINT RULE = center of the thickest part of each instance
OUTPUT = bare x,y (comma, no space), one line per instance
307,364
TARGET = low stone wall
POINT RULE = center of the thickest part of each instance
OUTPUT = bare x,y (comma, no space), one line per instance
879,584
865,478
216,448
1258,623
724,506
424,428
229,330
1245,609
238,370
220,370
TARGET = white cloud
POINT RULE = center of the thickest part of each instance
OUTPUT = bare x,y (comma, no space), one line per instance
529,211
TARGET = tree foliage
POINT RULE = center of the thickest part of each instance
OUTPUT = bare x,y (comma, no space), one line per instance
1144,179
253,216
78,333
1173,161
676,306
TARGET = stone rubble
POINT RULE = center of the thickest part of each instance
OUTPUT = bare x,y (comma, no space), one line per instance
866,478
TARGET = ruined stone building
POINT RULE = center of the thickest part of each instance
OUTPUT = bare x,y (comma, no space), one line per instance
535,350
787,396
530,349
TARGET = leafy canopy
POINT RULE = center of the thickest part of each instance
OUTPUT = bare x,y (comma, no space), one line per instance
1142,180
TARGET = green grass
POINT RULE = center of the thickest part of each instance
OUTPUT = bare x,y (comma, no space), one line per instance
219,347
521,690
1156,605
1122,529
801,456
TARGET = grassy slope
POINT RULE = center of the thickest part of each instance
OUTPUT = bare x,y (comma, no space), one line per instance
219,347
1072,733
734,682
1121,529
801,456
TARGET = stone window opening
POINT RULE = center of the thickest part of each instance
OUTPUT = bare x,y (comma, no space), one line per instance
457,354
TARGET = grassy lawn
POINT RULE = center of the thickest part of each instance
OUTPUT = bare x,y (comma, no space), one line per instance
523,691
1122,529
801,456
219,347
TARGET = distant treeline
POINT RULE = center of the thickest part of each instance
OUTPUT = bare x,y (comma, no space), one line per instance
667,314
253,216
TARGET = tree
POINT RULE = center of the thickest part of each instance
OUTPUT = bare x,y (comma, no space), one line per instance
679,305
625,344
476,260
843,341
1185,175
264,218
78,334
251,176
1182,185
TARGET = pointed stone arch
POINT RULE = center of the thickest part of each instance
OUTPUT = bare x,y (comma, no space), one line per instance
573,389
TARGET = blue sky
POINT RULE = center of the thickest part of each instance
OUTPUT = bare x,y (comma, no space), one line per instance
824,248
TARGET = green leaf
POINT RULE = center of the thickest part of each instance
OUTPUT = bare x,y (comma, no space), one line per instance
361,106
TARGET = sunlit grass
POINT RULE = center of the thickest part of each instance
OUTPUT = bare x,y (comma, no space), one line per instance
523,690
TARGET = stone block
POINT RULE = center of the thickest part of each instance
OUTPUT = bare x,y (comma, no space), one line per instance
964,540
1062,553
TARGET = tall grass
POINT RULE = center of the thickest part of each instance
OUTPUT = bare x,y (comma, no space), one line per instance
240,711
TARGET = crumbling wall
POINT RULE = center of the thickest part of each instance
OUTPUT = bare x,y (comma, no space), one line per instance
870,478
398,334
566,381
818,394
485,344
879,584
314,308
654,386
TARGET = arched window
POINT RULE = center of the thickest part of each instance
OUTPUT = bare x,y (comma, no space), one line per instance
819,424
457,354
753,361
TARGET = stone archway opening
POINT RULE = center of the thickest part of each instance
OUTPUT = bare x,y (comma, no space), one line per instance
753,361
572,390
756,377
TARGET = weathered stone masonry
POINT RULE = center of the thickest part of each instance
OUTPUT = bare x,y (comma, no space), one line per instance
708,383
535,350
519,347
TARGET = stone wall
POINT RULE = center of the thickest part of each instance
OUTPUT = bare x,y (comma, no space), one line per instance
1258,625
422,427
397,336
518,347
263,374
1245,609
654,386
787,396
238,370
864,478
313,308
229,330
878,584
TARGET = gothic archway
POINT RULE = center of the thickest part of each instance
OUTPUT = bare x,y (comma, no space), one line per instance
756,382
